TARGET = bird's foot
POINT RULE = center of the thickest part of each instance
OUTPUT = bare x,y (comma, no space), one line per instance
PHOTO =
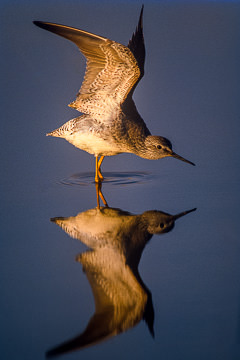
100,176
98,179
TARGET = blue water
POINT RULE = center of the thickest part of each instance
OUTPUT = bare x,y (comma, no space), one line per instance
190,94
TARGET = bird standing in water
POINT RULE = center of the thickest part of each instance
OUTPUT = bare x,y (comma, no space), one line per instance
110,123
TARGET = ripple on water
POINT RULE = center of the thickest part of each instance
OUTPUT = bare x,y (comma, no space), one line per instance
121,178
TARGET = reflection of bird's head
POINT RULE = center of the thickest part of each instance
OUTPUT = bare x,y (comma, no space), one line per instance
158,222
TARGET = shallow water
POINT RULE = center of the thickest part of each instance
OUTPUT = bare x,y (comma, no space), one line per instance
187,285
122,178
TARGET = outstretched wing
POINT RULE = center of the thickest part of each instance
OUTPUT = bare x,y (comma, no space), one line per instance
111,72
137,46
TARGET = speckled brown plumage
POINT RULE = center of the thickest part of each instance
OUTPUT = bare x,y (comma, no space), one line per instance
111,123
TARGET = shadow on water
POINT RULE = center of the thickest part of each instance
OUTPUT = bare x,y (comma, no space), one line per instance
120,178
116,240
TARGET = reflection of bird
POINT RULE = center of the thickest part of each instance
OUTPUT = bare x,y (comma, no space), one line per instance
117,239
111,123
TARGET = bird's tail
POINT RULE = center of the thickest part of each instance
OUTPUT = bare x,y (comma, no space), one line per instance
63,130
54,133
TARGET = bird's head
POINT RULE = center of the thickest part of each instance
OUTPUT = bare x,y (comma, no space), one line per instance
157,147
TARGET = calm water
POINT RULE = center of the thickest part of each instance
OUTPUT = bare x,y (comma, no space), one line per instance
186,288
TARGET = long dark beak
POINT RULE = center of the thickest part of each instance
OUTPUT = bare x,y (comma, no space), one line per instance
176,156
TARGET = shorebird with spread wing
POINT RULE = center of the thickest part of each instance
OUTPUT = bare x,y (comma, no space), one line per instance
110,123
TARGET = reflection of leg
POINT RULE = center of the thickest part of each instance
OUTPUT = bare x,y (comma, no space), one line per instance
99,193
99,168
102,197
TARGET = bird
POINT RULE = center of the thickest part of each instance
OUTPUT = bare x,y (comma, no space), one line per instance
110,123
116,240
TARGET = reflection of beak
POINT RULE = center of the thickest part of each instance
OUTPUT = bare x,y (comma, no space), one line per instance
176,156
175,217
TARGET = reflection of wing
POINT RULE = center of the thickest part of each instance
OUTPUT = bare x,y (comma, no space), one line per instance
111,72
120,300
94,333
117,239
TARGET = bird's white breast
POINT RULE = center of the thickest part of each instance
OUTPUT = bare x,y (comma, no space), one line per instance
93,144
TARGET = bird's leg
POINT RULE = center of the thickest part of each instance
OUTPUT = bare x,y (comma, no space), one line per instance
98,174
99,193
96,171
99,168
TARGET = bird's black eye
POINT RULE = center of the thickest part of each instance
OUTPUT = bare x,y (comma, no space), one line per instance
159,147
